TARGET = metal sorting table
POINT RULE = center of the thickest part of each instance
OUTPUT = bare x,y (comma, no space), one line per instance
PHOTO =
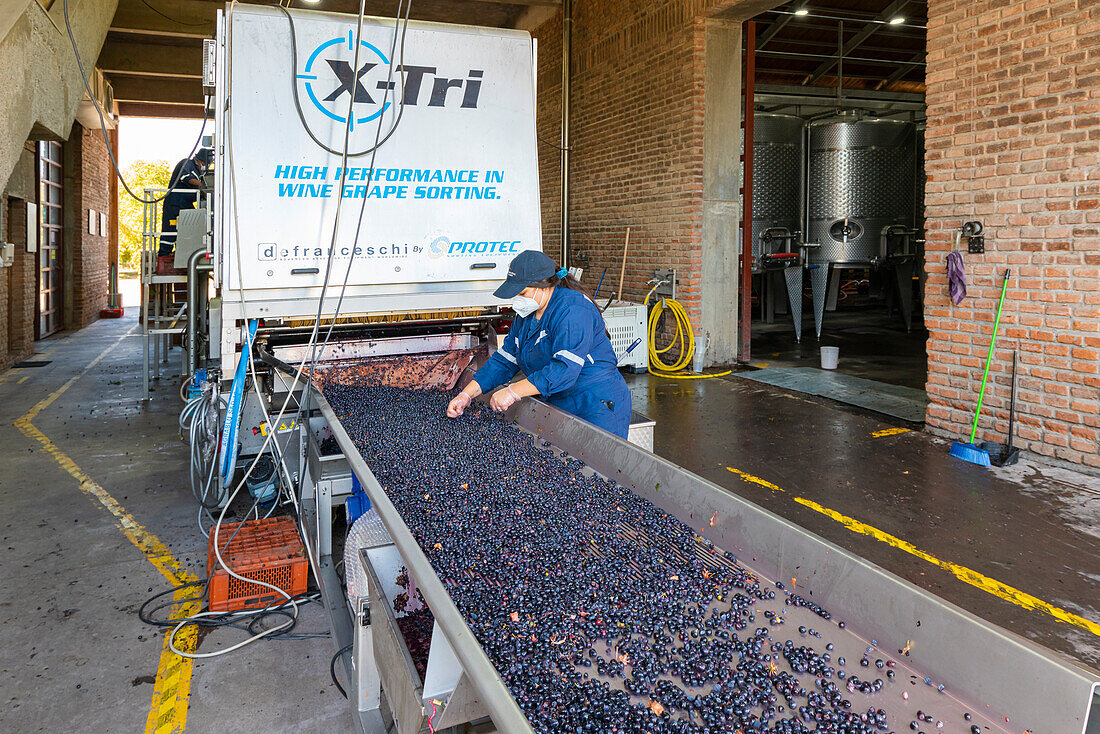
1007,683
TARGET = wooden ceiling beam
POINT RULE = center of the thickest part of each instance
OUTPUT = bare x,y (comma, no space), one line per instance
162,90
159,109
770,32
173,18
902,70
149,59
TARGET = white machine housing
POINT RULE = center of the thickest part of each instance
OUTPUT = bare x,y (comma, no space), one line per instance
626,323
453,194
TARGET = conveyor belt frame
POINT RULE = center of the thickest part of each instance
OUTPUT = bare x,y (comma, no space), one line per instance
977,661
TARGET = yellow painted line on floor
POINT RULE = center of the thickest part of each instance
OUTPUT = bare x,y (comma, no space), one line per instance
22,380
969,576
986,584
172,689
755,480
890,432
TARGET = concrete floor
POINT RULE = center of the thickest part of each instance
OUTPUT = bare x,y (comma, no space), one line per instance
73,654
873,345
75,657
1031,526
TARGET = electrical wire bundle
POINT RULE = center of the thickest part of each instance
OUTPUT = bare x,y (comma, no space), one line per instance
103,122
199,415
288,608
249,620
199,420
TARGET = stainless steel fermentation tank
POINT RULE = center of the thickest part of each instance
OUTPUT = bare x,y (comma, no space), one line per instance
777,155
861,180
862,188
778,159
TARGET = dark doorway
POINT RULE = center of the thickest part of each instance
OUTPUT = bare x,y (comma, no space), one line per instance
835,162
48,304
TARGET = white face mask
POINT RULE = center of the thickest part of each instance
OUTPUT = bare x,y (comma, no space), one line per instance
524,306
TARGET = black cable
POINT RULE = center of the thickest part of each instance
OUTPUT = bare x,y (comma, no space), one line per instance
552,145
377,144
343,165
332,668
241,620
205,582
345,154
298,106
103,122
168,17
148,619
379,141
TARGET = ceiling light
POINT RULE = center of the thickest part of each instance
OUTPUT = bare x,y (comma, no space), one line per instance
311,2
897,20
802,11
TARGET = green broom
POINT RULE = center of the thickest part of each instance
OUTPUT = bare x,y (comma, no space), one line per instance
970,451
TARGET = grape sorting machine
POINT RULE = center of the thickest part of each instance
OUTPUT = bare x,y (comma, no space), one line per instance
417,312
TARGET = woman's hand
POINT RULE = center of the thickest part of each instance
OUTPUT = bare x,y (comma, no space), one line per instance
503,399
459,404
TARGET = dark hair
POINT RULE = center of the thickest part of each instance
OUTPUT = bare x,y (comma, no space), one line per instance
568,282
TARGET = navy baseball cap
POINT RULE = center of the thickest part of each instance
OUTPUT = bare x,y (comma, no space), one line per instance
526,268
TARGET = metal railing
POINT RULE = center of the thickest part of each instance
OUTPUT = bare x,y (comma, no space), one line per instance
163,296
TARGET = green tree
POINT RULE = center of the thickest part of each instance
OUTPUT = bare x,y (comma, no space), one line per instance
139,175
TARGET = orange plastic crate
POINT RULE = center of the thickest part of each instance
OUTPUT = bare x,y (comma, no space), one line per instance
264,550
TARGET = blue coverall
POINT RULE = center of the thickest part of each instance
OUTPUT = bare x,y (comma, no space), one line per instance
566,355
177,201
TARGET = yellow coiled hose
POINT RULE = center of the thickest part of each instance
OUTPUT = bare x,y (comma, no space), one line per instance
684,340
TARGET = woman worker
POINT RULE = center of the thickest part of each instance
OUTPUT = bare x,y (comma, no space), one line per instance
559,341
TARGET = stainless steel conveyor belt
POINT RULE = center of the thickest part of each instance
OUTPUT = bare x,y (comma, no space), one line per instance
982,667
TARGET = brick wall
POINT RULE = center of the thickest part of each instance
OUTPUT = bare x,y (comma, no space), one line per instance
1014,140
637,138
90,191
5,281
548,125
6,206
85,287
17,338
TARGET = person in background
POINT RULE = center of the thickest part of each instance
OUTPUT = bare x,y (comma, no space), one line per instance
560,342
185,181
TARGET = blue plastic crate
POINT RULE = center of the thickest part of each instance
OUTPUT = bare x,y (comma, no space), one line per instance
357,503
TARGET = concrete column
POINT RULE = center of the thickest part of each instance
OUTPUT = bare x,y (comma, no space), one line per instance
721,182
38,72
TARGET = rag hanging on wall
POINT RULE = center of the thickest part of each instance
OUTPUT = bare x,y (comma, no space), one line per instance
956,273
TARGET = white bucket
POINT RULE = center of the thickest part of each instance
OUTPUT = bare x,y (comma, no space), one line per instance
699,358
830,356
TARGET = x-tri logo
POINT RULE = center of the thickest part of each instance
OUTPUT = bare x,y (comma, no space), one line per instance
330,81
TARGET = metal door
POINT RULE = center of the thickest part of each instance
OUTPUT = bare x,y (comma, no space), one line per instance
48,304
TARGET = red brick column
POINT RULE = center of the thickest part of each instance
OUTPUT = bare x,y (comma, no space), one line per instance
5,281
22,287
90,253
